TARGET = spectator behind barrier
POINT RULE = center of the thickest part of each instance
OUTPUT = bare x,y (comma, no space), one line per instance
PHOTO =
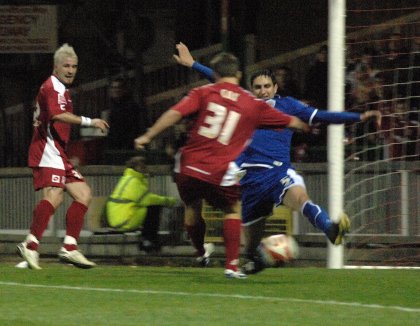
132,206
287,86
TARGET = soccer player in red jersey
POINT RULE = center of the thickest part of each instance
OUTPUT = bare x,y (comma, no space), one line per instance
52,171
226,116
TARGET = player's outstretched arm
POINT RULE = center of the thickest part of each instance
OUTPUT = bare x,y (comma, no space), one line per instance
169,118
344,117
184,56
71,118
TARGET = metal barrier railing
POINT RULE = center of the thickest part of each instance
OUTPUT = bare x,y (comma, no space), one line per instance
17,198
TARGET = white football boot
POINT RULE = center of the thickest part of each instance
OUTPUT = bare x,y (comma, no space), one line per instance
229,273
75,257
30,256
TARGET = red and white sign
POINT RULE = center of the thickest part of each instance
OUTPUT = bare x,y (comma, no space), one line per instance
28,29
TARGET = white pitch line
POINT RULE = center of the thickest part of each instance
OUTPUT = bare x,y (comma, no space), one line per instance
379,267
215,295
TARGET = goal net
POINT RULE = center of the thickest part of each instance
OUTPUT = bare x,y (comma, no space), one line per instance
382,165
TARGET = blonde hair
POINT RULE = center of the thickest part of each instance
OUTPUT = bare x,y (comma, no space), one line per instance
65,51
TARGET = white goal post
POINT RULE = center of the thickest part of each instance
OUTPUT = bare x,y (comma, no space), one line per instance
336,69
374,63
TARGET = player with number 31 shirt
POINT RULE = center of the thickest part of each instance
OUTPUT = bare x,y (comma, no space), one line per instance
225,117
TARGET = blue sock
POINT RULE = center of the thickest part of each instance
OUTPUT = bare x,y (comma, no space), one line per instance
317,216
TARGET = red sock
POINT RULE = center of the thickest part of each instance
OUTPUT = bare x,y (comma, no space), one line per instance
197,233
232,238
74,219
32,245
40,218
70,247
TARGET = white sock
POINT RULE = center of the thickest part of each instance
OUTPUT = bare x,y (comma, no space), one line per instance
70,240
31,238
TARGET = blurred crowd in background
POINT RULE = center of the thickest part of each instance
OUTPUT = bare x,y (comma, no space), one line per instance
382,75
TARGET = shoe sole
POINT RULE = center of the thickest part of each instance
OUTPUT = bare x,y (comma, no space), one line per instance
204,262
343,227
235,276
21,254
65,260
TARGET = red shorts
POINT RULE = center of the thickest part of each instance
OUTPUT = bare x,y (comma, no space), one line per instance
190,189
50,177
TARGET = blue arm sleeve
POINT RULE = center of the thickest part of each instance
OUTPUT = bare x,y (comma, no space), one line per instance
206,71
336,117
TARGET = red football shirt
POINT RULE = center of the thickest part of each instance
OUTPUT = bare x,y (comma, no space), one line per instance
50,137
227,116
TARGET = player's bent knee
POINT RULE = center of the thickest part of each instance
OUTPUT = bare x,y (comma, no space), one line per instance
81,192
86,198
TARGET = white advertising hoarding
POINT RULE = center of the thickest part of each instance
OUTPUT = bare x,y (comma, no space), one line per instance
28,29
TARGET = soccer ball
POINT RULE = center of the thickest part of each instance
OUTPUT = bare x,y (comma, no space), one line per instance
278,249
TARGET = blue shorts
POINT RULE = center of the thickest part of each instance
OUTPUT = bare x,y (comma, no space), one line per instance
261,188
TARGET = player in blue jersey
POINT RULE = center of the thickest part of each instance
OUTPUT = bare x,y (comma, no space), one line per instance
268,176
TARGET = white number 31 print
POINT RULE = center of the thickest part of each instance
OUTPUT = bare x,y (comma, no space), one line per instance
220,125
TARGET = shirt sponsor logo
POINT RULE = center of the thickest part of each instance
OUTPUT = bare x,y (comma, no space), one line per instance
62,101
286,181
55,178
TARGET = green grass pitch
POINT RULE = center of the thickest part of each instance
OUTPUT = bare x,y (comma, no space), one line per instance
126,295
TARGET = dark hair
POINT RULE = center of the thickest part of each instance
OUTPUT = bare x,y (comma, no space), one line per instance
225,64
135,161
266,73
